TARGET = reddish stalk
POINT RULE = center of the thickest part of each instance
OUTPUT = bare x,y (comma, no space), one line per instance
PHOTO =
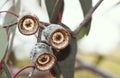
10,12
10,25
30,66
50,74
0,65
59,17
11,67
86,19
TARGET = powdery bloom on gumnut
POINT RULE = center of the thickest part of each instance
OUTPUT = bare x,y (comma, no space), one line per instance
43,57
57,36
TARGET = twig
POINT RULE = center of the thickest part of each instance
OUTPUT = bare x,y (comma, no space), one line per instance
59,17
0,65
39,34
31,73
10,12
42,26
31,66
50,74
53,11
9,45
37,74
85,65
82,65
86,19
44,23
10,25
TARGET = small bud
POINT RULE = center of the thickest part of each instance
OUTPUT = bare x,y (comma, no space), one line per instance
57,36
28,24
43,57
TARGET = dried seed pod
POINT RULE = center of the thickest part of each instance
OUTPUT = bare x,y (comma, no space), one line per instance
43,57
28,24
57,36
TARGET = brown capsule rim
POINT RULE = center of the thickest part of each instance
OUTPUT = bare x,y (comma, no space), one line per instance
63,30
51,55
36,21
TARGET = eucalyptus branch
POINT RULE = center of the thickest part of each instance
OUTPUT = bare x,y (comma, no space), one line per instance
44,23
50,74
10,25
30,66
31,73
37,74
85,65
7,53
81,65
10,12
42,26
0,65
86,19
39,35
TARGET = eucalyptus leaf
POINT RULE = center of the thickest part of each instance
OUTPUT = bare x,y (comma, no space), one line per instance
81,33
14,8
86,5
10,19
4,73
3,42
53,8
39,2
66,60
67,65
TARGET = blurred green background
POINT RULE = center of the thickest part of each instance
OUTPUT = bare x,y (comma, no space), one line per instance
110,63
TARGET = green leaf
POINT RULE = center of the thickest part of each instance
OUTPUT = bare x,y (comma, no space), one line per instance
4,73
67,65
53,8
10,19
39,1
66,60
81,33
86,5
3,42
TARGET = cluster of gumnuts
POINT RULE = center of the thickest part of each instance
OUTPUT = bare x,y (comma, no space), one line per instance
52,36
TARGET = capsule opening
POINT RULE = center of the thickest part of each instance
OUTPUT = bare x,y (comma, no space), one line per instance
59,39
45,61
28,24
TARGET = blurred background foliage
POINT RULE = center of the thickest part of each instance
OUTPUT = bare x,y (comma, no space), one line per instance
55,9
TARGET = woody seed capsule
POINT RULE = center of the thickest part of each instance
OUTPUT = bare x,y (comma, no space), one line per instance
57,36
28,24
42,57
